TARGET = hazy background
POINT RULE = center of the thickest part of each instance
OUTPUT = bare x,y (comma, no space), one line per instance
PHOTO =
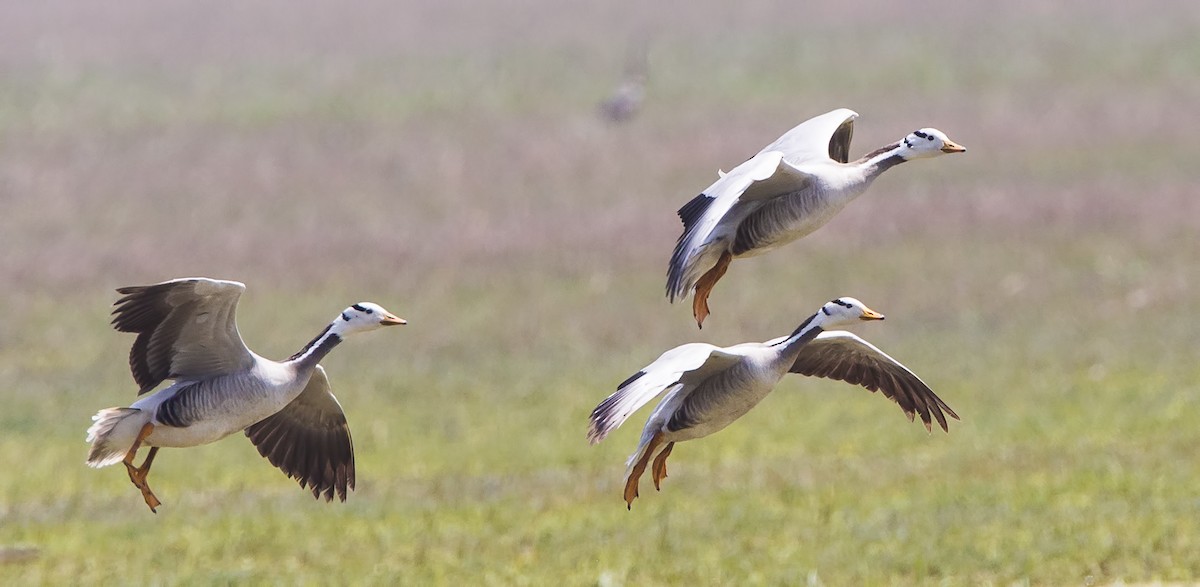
446,160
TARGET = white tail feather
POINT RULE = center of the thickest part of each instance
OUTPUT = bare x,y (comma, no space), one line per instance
113,434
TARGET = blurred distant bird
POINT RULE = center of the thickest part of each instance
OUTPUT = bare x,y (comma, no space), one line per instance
187,332
625,102
708,387
789,189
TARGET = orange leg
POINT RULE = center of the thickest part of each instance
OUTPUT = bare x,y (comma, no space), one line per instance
137,475
631,484
705,285
659,471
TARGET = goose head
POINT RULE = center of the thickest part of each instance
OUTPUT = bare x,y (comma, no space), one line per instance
928,142
363,317
845,311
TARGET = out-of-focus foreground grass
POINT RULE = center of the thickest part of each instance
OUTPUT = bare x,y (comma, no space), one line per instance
445,161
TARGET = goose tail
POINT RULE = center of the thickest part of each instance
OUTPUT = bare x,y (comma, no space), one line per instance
113,433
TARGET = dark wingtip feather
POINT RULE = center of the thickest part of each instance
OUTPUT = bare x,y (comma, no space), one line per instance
690,213
941,419
599,421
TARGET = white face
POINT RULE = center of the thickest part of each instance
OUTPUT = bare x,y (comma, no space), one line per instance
844,311
929,142
365,316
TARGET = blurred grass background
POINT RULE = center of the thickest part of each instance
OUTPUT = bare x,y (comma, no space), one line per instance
445,160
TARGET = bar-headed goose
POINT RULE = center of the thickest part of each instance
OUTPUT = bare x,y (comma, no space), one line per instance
187,332
708,387
786,191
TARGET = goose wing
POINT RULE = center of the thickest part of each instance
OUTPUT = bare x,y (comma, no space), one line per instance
186,328
840,355
683,365
819,138
712,217
309,440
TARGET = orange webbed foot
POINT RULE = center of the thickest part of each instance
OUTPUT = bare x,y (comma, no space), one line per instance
659,471
635,474
705,285
137,475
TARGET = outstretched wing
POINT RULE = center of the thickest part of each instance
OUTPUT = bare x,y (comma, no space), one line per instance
309,440
841,355
185,327
819,138
681,365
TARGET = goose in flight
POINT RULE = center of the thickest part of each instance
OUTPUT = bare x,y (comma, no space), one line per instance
708,387
626,100
187,332
786,191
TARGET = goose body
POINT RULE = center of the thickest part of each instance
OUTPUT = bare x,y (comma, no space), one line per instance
786,191
187,332
709,387
204,411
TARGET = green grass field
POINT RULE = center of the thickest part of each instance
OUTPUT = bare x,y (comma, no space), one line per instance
446,161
